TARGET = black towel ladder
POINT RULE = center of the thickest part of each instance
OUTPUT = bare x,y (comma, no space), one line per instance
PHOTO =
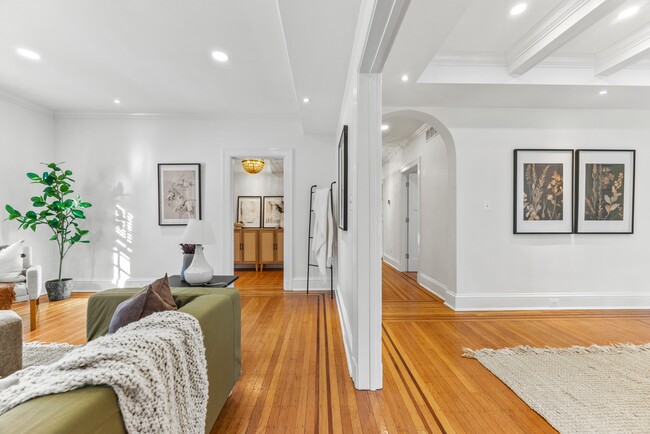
311,236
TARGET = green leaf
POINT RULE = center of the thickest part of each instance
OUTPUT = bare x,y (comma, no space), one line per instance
54,223
68,203
85,241
10,209
49,180
30,215
33,228
39,204
33,176
84,205
78,213
68,172
53,238
75,239
64,187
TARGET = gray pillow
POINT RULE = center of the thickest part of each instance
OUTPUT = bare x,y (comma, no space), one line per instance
156,297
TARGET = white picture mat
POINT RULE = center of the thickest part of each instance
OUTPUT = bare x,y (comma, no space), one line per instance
605,157
545,157
165,171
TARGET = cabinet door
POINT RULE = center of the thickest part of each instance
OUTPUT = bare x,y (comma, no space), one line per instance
279,246
267,246
237,247
249,240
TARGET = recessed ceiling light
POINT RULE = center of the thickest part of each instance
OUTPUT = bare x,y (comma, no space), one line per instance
627,13
117,101
518,9
384,127
602,92
219,56
306,100
405,77
28,53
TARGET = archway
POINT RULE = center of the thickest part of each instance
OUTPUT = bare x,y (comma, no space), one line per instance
450,147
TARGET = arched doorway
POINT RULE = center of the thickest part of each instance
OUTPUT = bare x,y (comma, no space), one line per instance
447,290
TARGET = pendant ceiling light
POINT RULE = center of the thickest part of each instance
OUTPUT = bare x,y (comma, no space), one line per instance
252,165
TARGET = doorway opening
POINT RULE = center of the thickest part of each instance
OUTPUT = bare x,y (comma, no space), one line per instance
258,186
411,222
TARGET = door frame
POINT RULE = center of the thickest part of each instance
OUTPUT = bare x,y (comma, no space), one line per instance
286,155
403,194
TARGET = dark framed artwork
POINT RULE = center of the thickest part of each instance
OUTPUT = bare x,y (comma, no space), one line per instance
343,180
273,211
605,191
179,193
249,211
543,191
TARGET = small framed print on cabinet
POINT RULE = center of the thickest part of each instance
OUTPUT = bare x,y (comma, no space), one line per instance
605,191
543,191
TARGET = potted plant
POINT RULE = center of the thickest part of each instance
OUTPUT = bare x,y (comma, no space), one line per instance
58,210
188,255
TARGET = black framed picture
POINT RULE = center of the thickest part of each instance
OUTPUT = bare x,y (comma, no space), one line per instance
543,191
605,191
343,180
249,211
179,193
273,215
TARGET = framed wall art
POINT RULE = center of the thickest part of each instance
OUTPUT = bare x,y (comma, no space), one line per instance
249,211
543,191
273,211
343,180
605,191
179,193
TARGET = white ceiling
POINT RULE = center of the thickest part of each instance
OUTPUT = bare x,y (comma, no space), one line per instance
400,131
465,54
154,56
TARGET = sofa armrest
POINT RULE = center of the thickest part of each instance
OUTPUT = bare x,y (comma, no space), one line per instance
34,281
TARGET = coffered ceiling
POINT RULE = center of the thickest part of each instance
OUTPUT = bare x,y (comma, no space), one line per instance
556,53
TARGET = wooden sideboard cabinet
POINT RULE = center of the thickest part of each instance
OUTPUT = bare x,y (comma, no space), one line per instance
258,247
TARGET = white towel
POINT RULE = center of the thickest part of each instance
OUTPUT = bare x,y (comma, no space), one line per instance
323,231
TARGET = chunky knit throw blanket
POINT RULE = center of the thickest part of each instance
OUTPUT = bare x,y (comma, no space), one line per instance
156,366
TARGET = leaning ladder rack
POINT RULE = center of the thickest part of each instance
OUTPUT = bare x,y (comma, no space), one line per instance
311,236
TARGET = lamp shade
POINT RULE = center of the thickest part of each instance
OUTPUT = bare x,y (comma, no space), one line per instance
198,232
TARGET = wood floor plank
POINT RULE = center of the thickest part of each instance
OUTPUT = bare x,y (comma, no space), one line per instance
295,375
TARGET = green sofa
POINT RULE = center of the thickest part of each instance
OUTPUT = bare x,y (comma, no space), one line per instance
94,409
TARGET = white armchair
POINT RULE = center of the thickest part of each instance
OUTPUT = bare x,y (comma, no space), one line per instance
31,289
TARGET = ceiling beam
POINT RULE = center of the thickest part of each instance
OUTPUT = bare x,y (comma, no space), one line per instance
624,52
386,20
564,23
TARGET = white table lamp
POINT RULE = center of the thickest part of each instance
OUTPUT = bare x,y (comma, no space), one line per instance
198,232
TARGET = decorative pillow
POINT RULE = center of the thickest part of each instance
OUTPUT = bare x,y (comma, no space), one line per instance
157,297
11,263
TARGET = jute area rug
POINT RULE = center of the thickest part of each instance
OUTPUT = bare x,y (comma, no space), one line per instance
597,389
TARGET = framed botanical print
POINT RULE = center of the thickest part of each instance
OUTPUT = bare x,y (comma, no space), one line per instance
605,191
249,211
543,191
343,180
179,193
273,211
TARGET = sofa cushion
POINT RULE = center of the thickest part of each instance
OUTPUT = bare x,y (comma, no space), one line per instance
157,297
11,263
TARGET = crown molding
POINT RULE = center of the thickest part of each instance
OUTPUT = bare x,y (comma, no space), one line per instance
25,104
561,25
631,48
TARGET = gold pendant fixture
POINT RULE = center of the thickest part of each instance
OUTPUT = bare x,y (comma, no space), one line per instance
252,165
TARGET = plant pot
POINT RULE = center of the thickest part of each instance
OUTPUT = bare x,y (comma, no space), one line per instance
59,289
187,260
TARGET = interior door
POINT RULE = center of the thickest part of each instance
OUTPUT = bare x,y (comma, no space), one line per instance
413,213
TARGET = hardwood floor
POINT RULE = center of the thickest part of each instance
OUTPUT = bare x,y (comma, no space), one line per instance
295,376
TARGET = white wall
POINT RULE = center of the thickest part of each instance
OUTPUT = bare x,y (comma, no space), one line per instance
499,270
434,253
26,140
116,157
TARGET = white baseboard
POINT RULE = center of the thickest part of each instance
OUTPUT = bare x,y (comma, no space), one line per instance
434,286
315,283
348,339
550,301
392,262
